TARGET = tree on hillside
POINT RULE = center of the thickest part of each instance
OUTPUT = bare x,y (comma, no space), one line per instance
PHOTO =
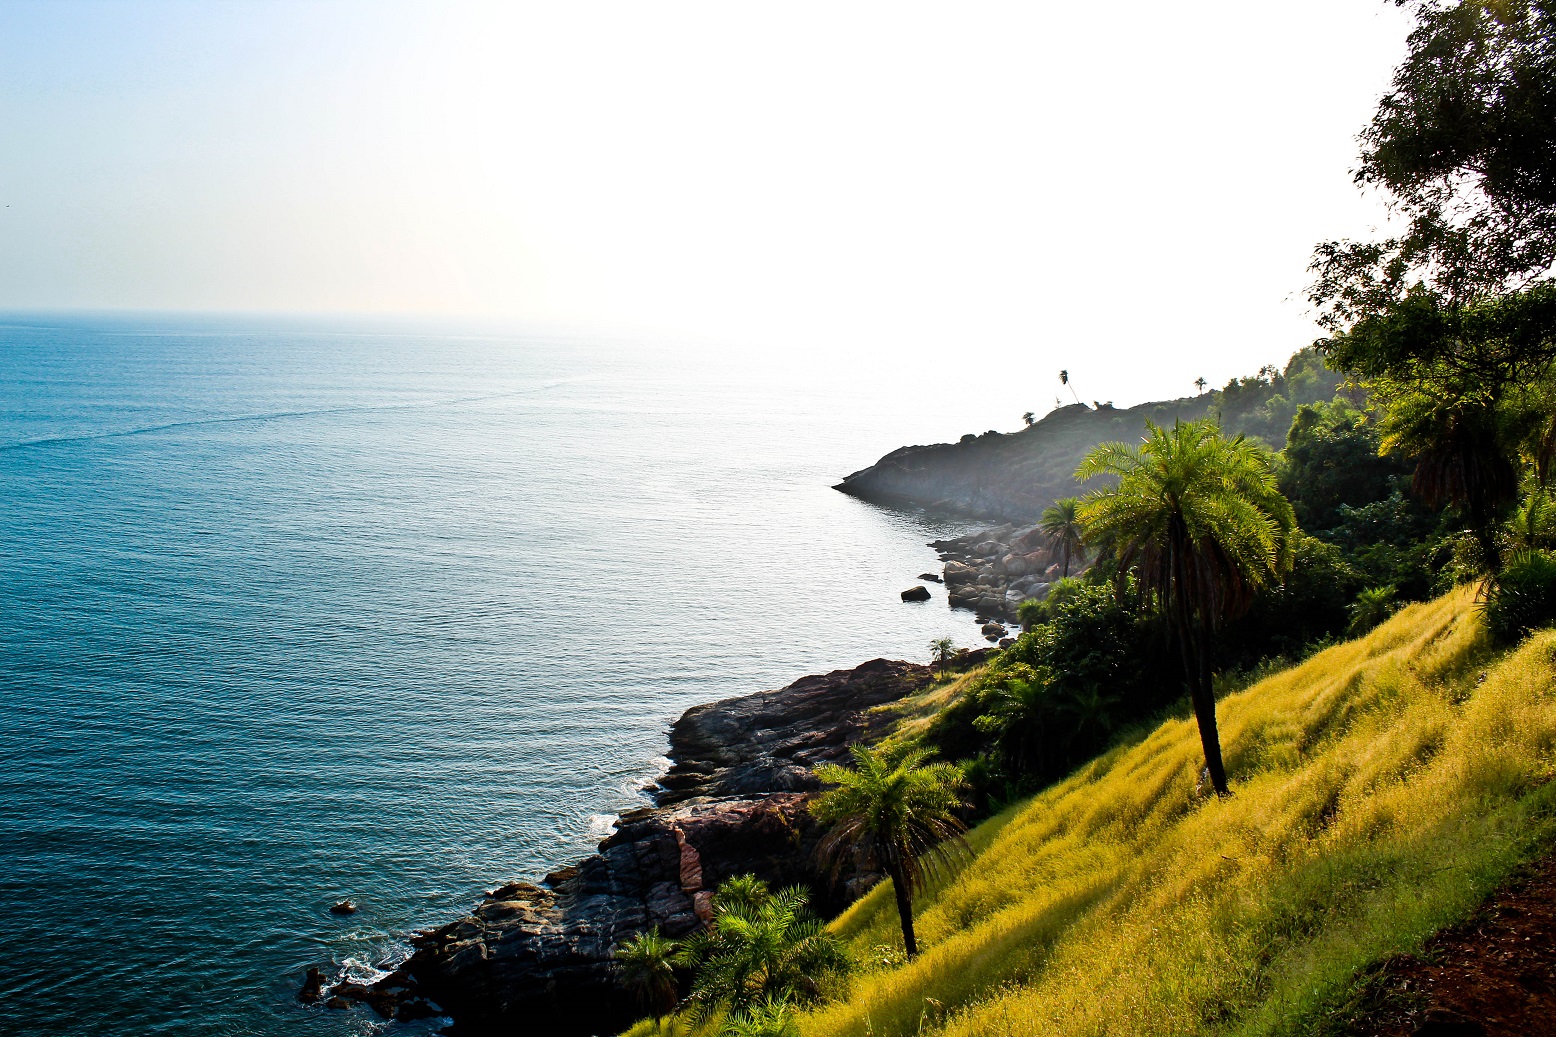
1062,527
1451,326
1064,379
896,811
1463,146
1199,520
644,965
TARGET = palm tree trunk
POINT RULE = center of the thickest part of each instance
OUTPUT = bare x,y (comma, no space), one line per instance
1196,667
904,911
1066,559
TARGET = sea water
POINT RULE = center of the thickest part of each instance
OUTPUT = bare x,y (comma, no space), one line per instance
298,610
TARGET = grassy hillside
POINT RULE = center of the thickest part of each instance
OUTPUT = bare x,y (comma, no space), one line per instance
1382,789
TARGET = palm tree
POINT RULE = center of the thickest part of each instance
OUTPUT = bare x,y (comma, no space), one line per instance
897,812
1064,379
1018,713
644,965
1200,521
1062,526
760,948
1200,383
941,651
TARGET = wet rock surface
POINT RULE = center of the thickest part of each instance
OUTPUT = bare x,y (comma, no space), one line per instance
535,959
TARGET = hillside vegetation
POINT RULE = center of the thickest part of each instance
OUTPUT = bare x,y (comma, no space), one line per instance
1013,477
1384,787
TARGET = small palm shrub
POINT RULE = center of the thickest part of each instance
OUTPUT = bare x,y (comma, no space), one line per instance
771,1018
644,965
1523,597
1371,607
762,949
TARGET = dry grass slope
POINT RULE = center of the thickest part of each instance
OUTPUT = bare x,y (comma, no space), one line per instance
1382,788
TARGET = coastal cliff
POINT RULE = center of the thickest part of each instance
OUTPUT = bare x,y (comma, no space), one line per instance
1013,477
1007,477
535,958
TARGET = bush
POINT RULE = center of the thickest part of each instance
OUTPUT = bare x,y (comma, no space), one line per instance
1523,598
1371,607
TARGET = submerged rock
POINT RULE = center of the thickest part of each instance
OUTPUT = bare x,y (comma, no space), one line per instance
919,593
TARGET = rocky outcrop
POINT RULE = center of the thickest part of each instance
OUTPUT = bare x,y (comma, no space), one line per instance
994,570
535,959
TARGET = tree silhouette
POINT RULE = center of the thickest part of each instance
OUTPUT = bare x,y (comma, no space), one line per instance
1064,379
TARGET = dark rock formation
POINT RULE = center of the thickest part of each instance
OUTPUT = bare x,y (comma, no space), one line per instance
536,958
919,593
344,907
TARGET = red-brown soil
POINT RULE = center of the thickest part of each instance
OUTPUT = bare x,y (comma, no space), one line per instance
1494,976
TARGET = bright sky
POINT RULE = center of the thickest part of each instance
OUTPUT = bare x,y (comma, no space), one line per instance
1129,190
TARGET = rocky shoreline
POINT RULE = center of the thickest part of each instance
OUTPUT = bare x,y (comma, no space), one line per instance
535,958
992,571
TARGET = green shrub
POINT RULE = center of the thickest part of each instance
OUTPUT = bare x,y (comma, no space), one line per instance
1371,607
1523,598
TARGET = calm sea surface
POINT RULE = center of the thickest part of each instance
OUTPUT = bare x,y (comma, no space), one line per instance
293,611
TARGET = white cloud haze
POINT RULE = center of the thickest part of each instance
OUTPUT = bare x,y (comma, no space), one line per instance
1132,190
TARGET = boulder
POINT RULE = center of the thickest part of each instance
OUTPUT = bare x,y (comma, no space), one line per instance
931,577
344,907
919,593
995,630
313,987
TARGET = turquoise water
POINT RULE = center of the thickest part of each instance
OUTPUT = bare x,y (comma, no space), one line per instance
296,610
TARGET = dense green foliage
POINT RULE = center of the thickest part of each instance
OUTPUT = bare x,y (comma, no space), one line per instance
1524,597
645,966
1451,327
763,954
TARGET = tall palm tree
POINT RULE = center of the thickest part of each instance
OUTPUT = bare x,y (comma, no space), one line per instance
760,948
898,812
1061,524
644,965
1200,521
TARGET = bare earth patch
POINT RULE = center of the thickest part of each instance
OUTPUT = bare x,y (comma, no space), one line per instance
1495,975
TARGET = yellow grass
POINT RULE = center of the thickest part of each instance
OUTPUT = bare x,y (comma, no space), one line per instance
1382,788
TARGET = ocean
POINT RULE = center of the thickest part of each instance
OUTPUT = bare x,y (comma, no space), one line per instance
301,609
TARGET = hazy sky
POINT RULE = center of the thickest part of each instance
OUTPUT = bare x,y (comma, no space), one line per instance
1131,190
